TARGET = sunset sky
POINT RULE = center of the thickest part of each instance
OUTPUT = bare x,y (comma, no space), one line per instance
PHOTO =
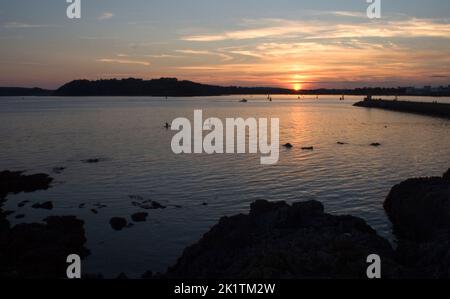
286,43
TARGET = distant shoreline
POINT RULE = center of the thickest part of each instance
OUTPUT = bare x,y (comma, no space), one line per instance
172,87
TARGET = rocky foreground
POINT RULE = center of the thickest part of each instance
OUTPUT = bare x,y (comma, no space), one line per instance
277,240
36,250
420,212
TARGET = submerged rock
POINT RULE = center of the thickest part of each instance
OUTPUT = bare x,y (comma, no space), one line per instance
46,205
140,202
15,182
308,148
375,144
420,212
118,223
139,217
288,145
8,213
22,203
93,160
58,170
277,240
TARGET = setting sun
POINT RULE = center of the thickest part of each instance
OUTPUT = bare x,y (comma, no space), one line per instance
297,86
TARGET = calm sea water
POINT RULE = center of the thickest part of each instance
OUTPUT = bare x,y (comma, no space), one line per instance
38,134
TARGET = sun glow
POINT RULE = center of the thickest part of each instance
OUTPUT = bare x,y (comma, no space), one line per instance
297,86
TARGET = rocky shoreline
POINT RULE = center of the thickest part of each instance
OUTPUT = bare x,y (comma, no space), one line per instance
279,241
275,240
299,241
36,250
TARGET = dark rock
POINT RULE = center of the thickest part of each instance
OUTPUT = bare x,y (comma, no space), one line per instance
46,205
277,241
145,204
94,211
136,197
118,223
204,204
375,144
447,175
139,217
100,205
341,143
93,160
308,148
288,145
82,206
16,182
419,208
40,250
58,170
420,212
155,205
22,203
8,213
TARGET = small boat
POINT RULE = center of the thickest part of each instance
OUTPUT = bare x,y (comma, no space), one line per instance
243,101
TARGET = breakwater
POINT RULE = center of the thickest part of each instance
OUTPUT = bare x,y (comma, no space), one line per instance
432,109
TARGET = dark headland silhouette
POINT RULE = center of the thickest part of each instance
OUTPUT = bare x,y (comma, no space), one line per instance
172,87
24,92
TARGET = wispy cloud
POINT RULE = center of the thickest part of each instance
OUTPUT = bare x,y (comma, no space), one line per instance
20,25
224,57
106,16
163,56
270,28
124,61
344,13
